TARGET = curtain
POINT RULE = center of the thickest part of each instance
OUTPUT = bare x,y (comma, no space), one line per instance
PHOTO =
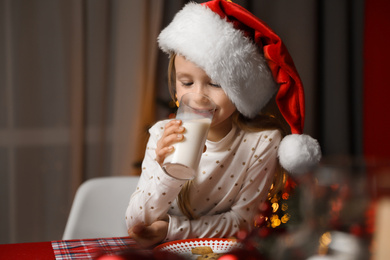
77,94
340,81
376,90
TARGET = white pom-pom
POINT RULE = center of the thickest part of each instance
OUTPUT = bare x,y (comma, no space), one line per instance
299,153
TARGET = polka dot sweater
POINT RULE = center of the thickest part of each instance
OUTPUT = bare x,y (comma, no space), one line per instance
233,178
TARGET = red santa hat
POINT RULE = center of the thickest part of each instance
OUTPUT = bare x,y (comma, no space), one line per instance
250,62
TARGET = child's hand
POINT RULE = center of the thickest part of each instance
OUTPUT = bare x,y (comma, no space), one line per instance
147,236
173,132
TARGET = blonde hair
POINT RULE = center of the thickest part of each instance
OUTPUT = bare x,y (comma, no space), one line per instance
269,118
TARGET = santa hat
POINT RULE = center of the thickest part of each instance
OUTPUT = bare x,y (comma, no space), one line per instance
250,62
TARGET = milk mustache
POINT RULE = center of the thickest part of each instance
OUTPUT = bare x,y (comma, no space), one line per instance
196,112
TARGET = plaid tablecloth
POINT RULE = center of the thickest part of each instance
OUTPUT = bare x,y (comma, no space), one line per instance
90,248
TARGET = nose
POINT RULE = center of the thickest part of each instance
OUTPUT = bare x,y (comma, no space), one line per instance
200,89
203,90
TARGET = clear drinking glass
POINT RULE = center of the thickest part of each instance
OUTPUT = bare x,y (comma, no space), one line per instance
196,112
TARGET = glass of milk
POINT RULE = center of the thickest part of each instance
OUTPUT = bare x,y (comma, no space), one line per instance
196,112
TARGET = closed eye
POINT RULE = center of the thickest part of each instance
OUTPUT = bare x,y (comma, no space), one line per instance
214,85
187,84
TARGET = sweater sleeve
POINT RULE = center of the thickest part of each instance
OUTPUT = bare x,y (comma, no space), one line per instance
155,190
254,189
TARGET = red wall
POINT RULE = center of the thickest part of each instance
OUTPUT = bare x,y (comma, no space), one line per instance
377,79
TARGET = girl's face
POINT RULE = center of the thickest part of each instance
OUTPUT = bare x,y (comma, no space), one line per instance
191,78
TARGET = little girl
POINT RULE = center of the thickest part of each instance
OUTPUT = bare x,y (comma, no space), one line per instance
221,50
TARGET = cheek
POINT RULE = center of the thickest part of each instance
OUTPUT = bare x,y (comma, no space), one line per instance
226,104
226,107
230,108
180,92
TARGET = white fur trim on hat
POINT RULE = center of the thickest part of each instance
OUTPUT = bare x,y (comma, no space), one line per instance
224,53
299,153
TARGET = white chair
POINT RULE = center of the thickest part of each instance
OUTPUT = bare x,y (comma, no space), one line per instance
99,207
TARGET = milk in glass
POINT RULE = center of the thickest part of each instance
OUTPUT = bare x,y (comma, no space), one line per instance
196,112
185,159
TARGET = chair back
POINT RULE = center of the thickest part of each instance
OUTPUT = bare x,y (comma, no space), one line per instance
99,207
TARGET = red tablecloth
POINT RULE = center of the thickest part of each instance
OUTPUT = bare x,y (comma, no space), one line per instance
65,249
27,251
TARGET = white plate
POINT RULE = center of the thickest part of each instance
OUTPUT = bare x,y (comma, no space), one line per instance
184,247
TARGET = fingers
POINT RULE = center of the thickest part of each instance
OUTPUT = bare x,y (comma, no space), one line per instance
173,132
147,236
138,229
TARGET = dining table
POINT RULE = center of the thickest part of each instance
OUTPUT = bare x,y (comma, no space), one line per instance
68,249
